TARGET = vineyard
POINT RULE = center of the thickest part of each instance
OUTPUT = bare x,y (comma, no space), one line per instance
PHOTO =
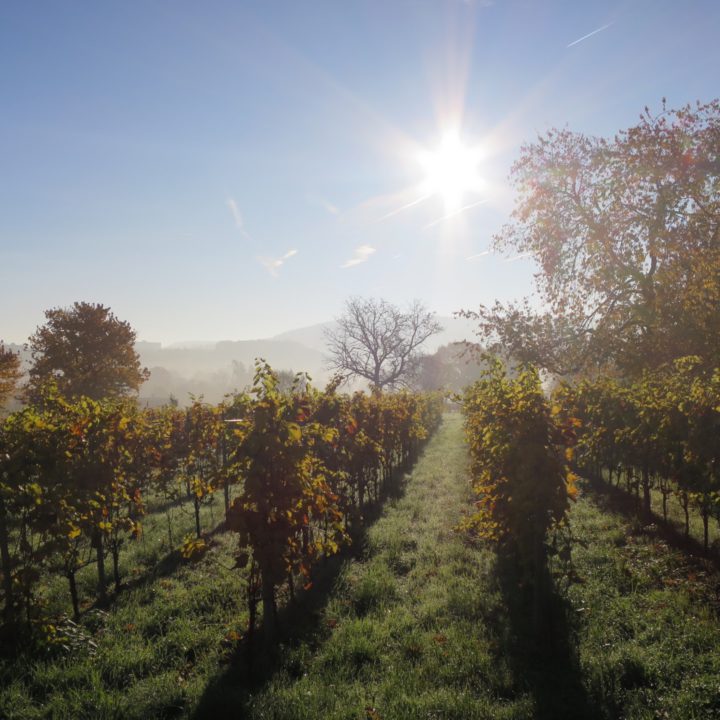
256,554
296,471
659,432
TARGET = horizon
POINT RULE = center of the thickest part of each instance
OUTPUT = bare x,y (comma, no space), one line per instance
189,344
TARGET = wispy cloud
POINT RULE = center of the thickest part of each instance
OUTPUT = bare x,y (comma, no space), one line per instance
272,265
324,203
477,256
237,216
521,256
360,255
589,35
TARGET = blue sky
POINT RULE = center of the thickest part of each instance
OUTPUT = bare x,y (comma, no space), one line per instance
231,170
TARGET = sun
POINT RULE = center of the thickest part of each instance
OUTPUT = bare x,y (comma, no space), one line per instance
451,171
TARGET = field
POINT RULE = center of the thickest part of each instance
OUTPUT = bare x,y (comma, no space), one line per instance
416,620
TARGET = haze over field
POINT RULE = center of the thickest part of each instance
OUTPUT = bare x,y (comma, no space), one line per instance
212,369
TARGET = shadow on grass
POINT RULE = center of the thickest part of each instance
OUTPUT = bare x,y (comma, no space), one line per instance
252,667
543,653
166,566
616,499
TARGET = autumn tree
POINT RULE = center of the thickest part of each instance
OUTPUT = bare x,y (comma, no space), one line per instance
626,233
451,367
9,373
87,351
378,341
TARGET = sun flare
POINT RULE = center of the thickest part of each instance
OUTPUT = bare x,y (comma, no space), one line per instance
451,171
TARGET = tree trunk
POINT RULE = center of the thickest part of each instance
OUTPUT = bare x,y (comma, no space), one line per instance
196,503
115,550
291,586
6,564
74,595
538,590
305,540
97,541
252,601
685,504
269,618
647,507
169,529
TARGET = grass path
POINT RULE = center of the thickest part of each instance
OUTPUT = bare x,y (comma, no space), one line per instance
404,633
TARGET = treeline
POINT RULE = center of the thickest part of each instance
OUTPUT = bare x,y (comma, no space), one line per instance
659,431
295,468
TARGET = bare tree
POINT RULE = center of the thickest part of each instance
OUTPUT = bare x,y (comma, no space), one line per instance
378,341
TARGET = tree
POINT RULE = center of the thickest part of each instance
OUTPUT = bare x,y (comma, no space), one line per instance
9,373
378,341
87,351
626,233
451,367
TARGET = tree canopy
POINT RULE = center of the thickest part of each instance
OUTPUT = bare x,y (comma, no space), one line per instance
451,367
10,373
378,341
87,351
626,233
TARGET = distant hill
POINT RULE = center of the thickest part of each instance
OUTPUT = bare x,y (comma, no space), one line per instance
282,354
212,369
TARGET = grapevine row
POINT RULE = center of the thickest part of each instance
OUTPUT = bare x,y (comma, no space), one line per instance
296,470
519,453
659,431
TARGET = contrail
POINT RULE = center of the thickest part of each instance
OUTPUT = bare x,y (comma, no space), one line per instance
237,216
478,255
455,212
403,207
594,32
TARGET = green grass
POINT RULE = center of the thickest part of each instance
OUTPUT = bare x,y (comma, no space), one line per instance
154,553
676,516
405,632
152,651
647,621
416,622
